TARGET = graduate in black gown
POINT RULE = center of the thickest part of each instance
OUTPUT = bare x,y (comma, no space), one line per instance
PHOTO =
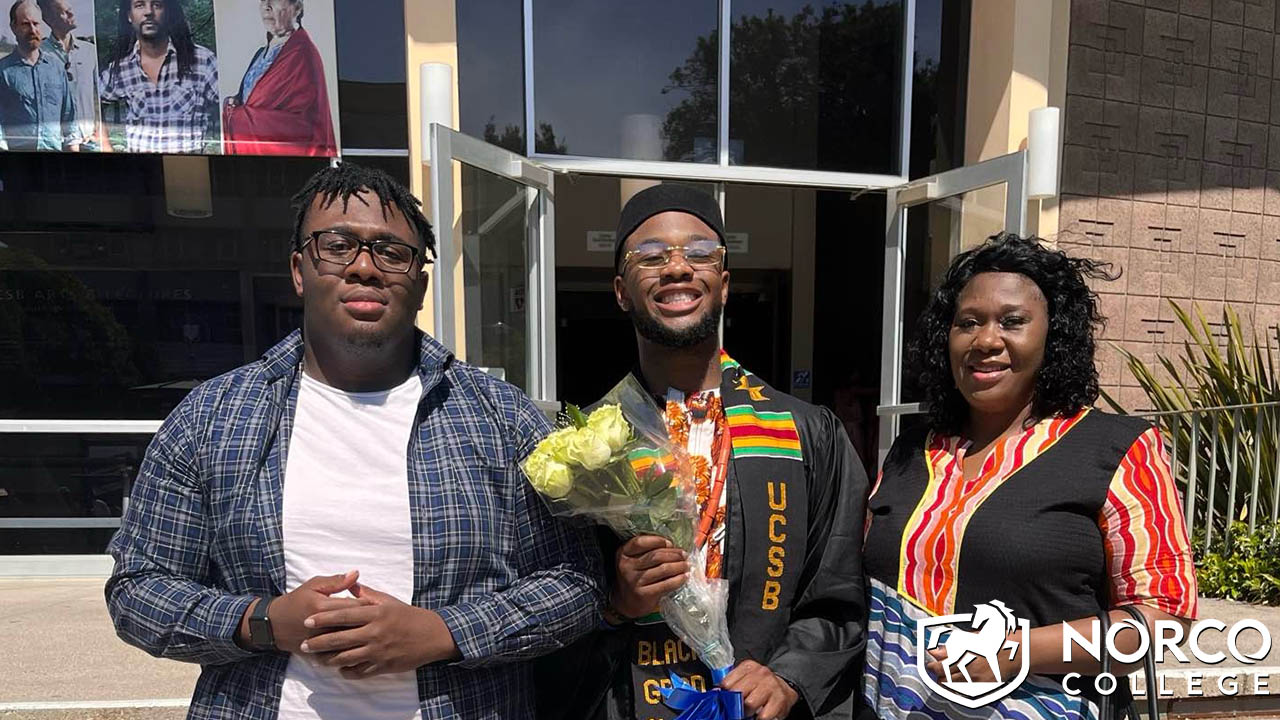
781,494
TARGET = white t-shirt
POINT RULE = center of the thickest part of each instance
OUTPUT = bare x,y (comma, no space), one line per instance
346,507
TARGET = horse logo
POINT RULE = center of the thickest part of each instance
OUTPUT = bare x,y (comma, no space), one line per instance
990,626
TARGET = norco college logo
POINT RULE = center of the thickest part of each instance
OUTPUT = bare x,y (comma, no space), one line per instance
991,625
993,630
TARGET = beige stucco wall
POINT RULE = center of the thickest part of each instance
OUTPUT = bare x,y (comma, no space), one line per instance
431,31
1017,63
1171,170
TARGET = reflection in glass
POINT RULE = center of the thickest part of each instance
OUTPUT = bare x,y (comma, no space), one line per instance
625,79
395,166
813,85
72,477
372,101
111,308
495,263
491,72
939,86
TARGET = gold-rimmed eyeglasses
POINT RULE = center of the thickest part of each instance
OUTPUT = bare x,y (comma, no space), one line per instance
655,256
341,248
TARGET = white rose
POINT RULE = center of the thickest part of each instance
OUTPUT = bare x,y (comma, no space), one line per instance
588,449
556,445
557,480
548,477
609,423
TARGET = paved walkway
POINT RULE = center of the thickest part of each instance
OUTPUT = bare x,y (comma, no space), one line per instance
59,647
61,659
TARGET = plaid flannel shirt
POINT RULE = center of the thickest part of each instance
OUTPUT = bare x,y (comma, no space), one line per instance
176,114
202,537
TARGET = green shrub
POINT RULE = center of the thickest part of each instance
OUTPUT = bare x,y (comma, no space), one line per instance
1245,568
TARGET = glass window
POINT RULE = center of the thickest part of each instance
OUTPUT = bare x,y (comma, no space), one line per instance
110,307
495,268
815,85
939,86
74,484
372,99
626,79
397,166
491,72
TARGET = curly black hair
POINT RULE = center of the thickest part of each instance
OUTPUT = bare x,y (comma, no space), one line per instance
347,179
1068,379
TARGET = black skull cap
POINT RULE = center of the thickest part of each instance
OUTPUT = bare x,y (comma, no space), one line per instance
662,198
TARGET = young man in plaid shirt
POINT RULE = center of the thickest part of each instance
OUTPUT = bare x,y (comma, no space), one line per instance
341,530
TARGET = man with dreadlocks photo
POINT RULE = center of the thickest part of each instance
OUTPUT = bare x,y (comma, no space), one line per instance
341,530
167,83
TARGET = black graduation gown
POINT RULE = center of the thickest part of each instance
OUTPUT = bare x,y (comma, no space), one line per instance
792,556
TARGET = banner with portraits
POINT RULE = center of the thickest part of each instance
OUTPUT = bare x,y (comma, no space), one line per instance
234,77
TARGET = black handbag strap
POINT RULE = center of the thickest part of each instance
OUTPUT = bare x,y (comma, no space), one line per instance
1105,702
1148,667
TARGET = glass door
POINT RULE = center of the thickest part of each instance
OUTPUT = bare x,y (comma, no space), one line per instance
930,220
494,304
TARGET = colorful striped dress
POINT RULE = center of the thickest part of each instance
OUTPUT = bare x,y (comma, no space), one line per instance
1073,515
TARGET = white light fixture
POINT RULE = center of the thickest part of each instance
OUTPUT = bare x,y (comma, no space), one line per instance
1043,146
187,190
435,85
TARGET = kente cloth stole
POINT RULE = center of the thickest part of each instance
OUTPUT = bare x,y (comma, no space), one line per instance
772,498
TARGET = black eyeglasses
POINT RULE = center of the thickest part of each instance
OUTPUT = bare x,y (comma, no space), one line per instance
340,248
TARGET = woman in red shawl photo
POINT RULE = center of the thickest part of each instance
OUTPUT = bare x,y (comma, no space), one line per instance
283,104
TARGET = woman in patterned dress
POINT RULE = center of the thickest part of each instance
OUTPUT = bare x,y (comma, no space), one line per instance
1017,490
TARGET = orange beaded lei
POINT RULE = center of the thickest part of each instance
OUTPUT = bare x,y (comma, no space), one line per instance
709,480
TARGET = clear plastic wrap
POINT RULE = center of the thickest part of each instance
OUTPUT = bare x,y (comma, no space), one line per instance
695,612
617,467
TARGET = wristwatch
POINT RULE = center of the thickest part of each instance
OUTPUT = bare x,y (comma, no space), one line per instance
260,636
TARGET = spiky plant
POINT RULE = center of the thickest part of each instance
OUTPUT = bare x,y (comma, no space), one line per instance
1211,373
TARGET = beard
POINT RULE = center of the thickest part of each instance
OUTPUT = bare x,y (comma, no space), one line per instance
366,341
652,329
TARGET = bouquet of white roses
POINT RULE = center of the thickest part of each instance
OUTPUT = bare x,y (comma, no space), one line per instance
618,467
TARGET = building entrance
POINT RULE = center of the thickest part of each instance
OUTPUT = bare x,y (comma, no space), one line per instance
823,277
805,301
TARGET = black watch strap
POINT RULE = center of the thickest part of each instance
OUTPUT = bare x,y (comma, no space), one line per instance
260,636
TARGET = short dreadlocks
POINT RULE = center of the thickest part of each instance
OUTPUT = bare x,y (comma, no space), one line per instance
347,179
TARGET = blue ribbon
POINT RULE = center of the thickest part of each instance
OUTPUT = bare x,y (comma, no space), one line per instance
713,704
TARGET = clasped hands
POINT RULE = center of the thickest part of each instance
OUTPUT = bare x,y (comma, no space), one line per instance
371,633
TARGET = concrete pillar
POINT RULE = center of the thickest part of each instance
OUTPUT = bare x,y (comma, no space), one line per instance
431,35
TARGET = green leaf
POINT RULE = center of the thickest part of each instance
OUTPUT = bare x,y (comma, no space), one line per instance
575,415
1247,568
659,482
1211,370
